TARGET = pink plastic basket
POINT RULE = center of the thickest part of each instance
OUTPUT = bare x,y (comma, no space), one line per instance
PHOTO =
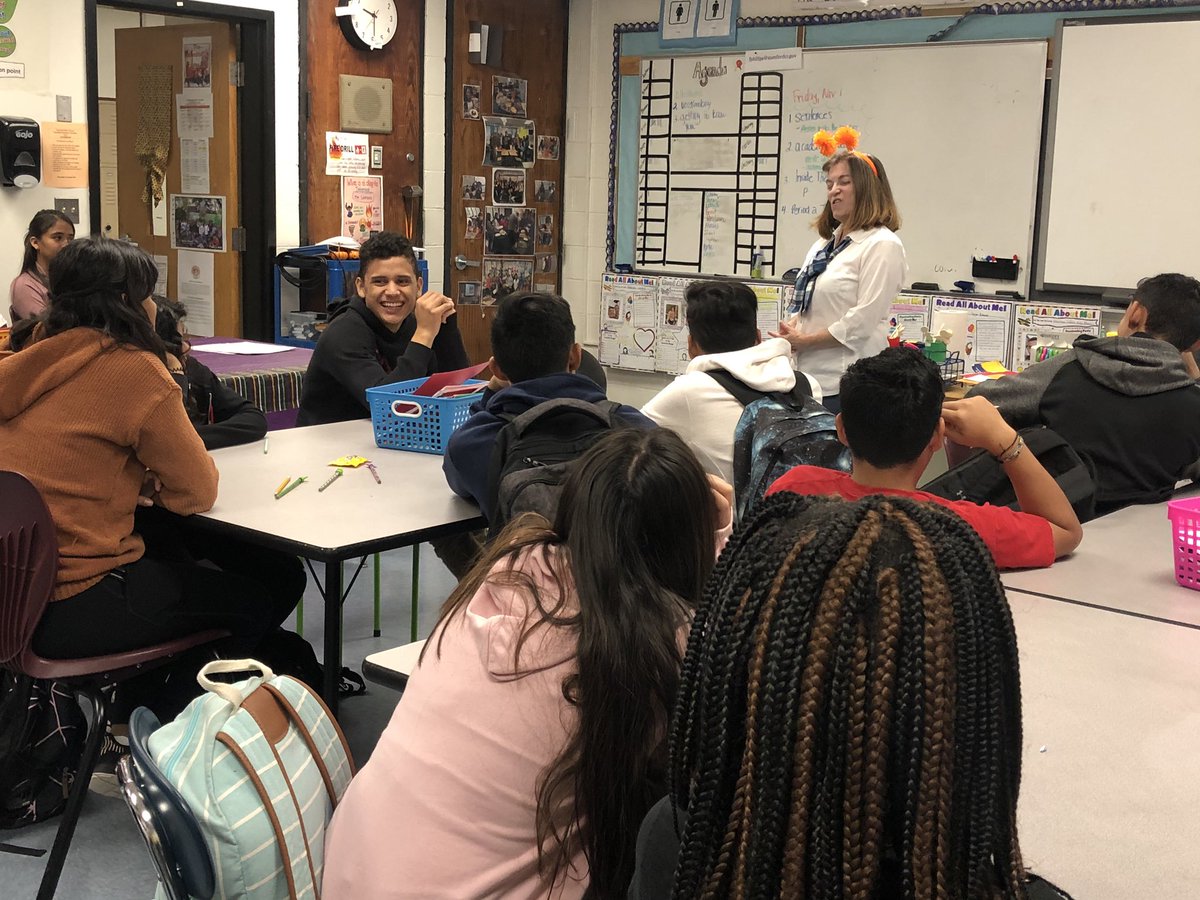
1185,536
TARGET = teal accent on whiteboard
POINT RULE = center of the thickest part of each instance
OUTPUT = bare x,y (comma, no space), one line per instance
725,161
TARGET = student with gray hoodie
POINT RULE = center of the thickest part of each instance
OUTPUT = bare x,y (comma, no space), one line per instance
722,320
1128,404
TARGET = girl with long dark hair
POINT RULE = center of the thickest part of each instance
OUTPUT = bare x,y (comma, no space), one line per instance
90,414
848,723
48,233
530,741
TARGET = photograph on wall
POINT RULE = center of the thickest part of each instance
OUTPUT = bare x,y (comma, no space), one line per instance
197,62
502,277
362,206
509,96
474,187
544,287
509,230
545,231
671,314
474,223
197,222
545,191
547,147
508,142
468,293
546,263
508,187
472,101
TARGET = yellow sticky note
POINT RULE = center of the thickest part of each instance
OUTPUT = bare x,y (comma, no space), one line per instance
994,367
351,462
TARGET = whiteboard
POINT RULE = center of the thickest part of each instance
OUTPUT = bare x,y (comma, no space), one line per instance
726,163
1122,180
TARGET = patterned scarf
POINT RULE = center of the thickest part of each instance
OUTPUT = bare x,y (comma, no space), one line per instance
806,281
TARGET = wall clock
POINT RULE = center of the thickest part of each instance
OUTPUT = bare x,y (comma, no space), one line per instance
367,24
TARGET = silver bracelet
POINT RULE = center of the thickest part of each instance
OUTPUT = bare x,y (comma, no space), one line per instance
1012,452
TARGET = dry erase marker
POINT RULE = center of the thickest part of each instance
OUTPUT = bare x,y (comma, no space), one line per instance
282,485
337,473
374,472
291,487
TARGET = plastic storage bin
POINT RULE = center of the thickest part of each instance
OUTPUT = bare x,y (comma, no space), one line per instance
1185,536
423,424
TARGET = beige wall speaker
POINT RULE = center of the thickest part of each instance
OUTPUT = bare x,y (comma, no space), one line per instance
365,104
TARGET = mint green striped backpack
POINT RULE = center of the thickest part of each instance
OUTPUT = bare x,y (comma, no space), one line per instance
262,764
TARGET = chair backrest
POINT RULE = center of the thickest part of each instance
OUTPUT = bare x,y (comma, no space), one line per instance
28,564
170,830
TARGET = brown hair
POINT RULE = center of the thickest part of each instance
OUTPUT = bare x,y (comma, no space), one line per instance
874,205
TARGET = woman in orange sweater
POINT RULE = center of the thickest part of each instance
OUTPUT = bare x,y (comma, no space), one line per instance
91,415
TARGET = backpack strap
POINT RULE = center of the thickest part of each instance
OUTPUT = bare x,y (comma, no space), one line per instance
746,395
603,411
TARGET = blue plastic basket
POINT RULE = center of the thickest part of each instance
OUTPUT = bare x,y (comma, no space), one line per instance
423,424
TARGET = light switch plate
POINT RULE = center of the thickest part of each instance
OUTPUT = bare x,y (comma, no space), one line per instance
376,157
62,108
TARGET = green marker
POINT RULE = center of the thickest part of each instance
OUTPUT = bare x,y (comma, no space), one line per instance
337,473
295,484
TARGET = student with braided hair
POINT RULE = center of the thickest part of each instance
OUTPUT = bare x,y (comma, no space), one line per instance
531,740
848,720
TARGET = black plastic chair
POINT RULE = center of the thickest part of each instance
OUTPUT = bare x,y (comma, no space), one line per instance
28,568
163,817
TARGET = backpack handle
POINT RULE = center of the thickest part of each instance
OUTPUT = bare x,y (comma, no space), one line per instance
229,692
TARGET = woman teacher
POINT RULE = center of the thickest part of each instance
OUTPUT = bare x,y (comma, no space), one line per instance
852,273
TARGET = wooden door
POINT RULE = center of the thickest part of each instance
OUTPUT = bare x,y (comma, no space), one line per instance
534,51
201,226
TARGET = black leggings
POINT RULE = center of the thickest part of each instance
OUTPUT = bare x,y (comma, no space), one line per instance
188,581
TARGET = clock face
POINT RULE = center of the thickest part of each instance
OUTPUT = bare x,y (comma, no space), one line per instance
370,24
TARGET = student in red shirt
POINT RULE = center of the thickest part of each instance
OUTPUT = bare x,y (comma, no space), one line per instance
893,419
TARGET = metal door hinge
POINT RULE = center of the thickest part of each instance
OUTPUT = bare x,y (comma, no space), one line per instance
237,74
237,239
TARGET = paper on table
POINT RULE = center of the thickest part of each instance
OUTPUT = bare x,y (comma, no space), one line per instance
439,380
241,348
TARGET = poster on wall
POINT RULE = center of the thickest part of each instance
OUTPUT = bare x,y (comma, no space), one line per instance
362,205
505,276
197,222
628,321
193,166
670,349
910,312
64,154
980,329
197,64
346,153
1040,330
195,289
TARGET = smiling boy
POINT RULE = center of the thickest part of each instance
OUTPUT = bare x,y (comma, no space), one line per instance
392,331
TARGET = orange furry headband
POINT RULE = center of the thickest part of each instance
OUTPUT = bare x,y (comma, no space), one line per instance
845,136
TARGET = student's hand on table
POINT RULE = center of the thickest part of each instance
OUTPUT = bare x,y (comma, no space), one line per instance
722,492
151,487
974,422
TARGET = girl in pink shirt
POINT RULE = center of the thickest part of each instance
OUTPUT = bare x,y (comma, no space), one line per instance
49,232
530,741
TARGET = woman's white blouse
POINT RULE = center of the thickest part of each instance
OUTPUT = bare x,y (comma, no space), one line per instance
851,299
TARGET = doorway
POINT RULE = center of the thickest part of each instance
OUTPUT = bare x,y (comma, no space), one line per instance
182,150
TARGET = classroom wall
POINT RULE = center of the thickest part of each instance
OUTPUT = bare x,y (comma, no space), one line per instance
434,151
50,44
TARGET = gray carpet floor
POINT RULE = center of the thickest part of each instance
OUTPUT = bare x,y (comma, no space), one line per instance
108,861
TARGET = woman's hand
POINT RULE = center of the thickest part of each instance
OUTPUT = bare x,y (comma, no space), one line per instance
790,334
151,487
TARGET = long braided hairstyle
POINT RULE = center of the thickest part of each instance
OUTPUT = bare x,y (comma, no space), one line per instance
848,723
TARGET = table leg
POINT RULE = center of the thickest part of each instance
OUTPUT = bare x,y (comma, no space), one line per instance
416,591
333,633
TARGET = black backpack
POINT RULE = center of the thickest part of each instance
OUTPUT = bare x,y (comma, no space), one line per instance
775,433
981,479
535,451
42,730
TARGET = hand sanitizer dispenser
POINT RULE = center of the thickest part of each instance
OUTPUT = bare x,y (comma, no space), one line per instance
20,152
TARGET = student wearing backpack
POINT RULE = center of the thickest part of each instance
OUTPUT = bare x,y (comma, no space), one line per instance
893,419
1128,404
534,360
723,336
530,740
